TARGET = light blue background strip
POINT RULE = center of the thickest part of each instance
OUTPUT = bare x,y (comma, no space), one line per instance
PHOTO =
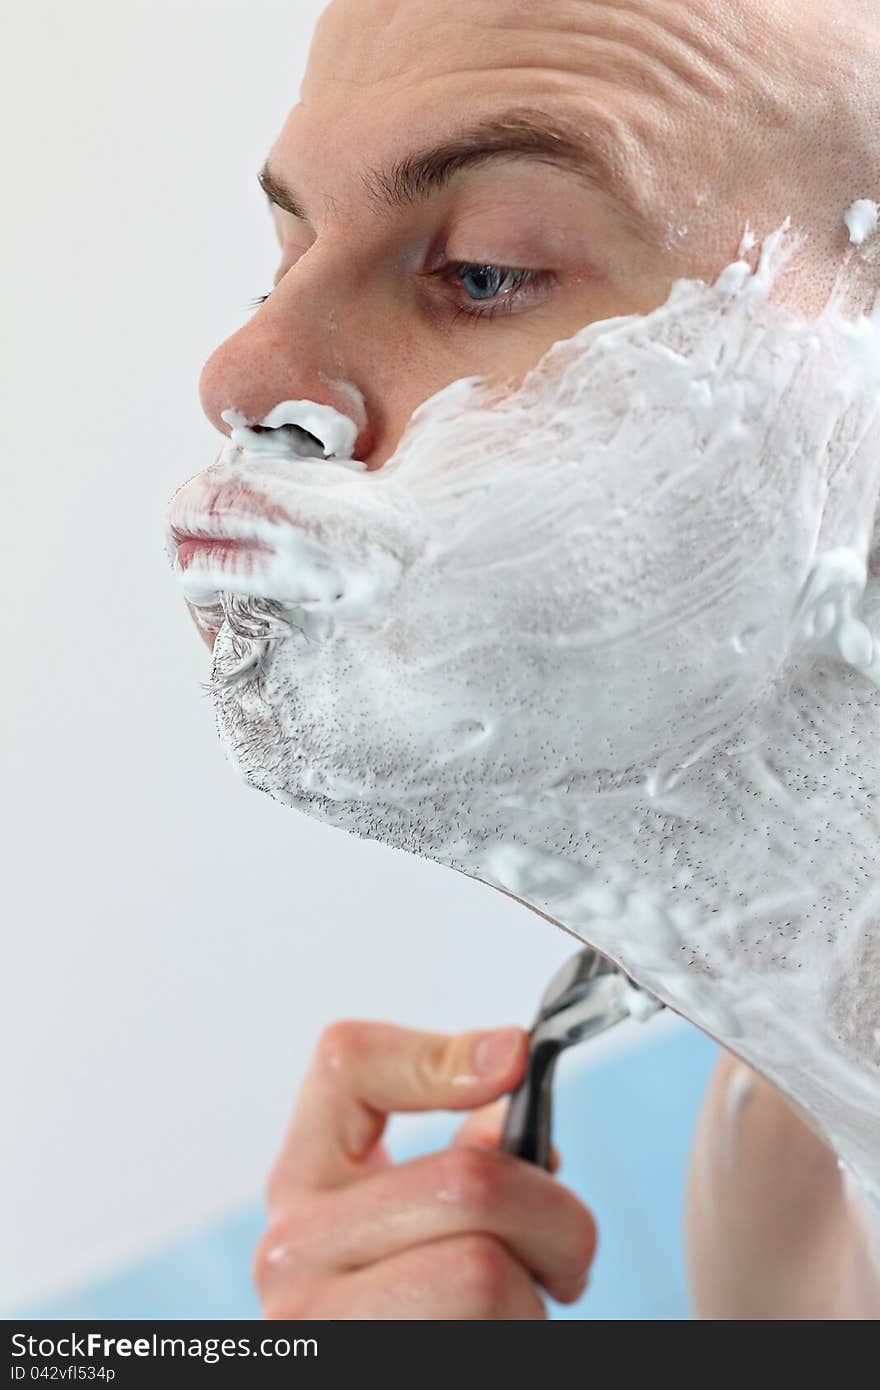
623,1126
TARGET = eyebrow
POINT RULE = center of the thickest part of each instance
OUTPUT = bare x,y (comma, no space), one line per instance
520,133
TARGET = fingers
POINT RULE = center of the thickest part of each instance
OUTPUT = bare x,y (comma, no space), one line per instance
469,1232
460,1277
363,1071
485,1127
458,1192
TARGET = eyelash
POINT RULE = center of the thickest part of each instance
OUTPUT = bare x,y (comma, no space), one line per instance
503,303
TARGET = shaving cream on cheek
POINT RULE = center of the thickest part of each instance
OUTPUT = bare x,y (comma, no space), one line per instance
606,642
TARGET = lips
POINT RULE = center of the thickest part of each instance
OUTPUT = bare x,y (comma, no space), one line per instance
218,551
221,516
225,536
222,535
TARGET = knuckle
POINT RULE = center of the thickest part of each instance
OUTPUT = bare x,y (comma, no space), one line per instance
485,1271
267,1256
291,1306
470,1179
589,1238
282,1250
572,1228
433,1063
424,1072
340,1043
582,1236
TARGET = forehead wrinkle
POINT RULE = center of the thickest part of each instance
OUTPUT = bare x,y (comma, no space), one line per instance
666,43
689,37
638,56
625,74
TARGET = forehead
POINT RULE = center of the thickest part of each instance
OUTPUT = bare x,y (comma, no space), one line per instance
385,75
401,37
675,97
364,43
647,76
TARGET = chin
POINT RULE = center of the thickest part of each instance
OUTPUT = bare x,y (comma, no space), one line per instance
207,634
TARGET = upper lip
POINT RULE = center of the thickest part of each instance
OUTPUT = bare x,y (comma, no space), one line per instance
220,511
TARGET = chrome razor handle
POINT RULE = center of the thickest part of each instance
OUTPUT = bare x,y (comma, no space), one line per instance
527,1124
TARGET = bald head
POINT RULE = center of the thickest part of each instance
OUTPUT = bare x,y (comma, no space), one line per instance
600,150
718,111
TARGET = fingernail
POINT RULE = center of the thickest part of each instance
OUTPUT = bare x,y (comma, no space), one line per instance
494,1052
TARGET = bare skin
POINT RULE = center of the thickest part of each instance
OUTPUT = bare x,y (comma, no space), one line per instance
704,117
770,1232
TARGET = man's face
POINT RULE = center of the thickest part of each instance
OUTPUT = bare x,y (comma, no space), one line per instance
593,635
684,121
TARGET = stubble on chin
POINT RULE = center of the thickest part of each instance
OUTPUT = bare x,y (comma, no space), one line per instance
254,626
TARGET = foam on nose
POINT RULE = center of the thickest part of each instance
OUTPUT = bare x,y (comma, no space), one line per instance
296,429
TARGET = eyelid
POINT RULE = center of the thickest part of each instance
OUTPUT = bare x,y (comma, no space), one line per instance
476,309
459,265
491,308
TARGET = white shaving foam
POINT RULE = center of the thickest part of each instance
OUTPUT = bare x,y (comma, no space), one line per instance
608,642
861,220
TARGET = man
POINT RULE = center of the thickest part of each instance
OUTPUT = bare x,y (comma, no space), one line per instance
620,148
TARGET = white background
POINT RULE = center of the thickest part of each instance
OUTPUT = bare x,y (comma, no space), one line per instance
173,941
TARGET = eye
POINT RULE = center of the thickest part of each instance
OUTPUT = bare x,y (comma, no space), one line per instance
491,289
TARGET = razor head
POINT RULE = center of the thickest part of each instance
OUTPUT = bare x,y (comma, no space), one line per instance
571,979
587,995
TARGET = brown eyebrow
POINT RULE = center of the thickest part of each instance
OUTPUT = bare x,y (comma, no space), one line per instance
522,132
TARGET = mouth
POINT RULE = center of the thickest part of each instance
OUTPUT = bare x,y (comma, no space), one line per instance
221,535
226,536
218,552
222,527
223,512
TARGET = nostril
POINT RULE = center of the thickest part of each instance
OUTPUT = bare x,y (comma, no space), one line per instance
296,434
284,430
271,429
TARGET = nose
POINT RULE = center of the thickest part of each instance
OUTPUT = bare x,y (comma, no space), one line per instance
264,387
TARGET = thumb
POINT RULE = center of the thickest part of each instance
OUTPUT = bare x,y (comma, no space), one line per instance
363,1071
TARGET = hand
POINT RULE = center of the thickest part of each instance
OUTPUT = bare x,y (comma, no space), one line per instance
465,1233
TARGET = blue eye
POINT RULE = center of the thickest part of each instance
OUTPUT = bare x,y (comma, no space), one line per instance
496,287
491,289
486,280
